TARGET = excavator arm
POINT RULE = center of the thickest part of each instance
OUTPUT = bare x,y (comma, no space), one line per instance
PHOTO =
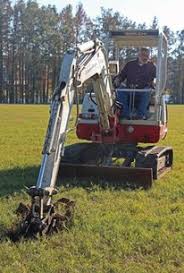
61,106
88,62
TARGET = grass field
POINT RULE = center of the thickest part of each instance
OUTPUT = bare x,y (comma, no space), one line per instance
115,231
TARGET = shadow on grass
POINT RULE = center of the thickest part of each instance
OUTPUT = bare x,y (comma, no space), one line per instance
91,183
17,179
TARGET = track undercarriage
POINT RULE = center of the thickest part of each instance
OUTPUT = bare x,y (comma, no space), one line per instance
132,165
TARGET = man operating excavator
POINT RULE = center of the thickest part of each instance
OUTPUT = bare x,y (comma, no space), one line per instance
138,74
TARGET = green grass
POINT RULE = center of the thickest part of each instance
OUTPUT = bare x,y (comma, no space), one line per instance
115,231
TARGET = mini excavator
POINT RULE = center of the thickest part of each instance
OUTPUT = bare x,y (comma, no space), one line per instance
112,148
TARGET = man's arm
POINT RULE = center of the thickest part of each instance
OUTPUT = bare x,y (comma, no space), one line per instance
154,72
120,77
150,82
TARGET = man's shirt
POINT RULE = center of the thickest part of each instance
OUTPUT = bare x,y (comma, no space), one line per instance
138,75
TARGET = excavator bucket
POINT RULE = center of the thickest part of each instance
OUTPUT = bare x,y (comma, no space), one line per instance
125,176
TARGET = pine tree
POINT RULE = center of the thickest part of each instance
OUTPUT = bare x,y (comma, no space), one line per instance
5,20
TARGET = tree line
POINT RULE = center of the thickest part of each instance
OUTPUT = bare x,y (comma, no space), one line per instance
33,40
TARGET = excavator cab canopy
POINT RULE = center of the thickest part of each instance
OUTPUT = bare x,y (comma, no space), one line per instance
135,38
153,39
121,41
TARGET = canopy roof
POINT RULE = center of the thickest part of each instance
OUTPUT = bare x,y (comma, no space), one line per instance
135,38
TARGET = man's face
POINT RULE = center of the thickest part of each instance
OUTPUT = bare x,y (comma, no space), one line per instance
143,57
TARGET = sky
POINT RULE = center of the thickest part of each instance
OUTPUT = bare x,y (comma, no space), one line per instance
168,12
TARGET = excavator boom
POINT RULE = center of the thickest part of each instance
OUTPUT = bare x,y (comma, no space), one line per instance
56,133
88,61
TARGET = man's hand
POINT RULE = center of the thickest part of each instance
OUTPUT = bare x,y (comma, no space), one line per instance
116,82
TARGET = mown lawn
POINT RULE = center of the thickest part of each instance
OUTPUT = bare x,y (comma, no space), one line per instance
115,231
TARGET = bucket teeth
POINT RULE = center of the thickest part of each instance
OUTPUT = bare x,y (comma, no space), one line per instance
31,225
